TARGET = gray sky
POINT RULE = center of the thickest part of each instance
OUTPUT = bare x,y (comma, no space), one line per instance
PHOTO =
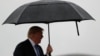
64,37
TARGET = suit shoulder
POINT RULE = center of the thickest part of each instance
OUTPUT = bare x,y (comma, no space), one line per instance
22,44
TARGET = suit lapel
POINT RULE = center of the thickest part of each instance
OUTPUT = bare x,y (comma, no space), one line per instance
29,49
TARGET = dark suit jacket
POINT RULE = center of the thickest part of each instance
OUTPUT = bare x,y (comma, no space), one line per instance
25,49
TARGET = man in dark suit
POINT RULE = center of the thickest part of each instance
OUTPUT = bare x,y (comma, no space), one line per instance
30,46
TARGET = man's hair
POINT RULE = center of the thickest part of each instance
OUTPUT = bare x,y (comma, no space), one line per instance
34,29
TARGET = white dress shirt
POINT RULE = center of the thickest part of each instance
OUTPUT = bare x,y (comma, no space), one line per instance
33,45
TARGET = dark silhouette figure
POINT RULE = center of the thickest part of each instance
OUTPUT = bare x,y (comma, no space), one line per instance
30,46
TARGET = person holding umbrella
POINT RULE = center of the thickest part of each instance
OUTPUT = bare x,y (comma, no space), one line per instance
46,12
31,47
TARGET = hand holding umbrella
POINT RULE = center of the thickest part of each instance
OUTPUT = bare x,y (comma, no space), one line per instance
49,50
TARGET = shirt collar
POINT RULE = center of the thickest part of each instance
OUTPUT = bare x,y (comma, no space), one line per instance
32,42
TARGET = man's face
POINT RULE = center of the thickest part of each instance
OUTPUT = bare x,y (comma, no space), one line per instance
37,37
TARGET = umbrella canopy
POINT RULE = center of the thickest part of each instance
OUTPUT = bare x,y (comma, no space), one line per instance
48,12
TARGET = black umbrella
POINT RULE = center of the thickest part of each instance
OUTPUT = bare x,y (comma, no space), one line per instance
48,12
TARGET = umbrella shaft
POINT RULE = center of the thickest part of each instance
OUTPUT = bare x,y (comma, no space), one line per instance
49,36
48,33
